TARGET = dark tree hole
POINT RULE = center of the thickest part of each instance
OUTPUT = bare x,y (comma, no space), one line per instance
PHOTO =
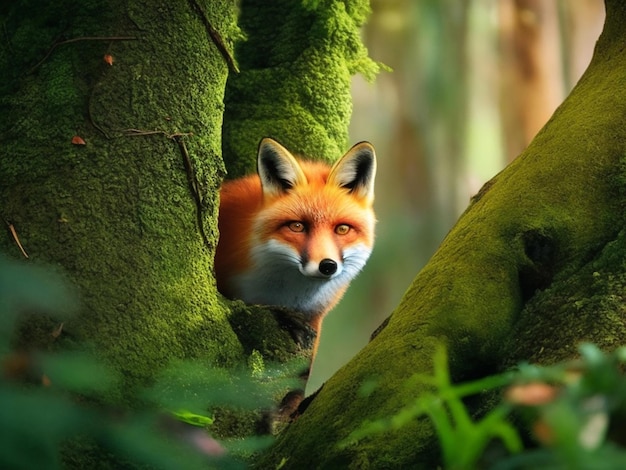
541,251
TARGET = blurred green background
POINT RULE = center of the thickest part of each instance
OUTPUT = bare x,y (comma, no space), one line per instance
472,81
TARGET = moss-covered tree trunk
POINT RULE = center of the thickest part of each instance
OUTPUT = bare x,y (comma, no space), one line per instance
110,159
117,214
534,266
297,62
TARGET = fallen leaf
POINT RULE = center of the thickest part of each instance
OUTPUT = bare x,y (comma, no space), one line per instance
77,140
57,331
17,240
108,58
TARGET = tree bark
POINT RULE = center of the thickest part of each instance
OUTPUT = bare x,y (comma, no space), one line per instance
532,267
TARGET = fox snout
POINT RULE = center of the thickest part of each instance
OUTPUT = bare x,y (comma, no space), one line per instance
325,268
328,267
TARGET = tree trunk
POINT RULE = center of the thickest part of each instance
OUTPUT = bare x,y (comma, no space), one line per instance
118,214
530,57
110,161
532,267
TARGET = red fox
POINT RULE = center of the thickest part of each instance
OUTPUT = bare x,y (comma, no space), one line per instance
298,232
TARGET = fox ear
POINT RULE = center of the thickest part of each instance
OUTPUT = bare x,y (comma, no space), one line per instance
356,171
278,169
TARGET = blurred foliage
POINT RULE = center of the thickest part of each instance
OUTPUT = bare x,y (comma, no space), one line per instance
50,400
575,412
195,386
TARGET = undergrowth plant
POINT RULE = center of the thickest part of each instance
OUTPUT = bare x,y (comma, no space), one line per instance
570,410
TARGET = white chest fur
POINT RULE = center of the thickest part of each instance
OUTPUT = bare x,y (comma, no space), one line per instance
276,278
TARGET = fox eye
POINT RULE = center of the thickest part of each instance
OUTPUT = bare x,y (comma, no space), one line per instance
342,229
296,226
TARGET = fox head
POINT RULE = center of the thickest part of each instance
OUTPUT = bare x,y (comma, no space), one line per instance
315,229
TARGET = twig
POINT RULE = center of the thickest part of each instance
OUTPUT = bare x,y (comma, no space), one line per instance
90,114
84,38
215,37
16,238
194,186
142,132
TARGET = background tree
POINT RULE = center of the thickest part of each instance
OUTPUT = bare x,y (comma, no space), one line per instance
530,269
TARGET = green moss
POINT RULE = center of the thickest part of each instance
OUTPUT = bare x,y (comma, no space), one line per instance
235,423
277,335
256,364
296,63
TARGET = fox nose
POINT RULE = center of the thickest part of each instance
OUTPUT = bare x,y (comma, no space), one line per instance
328,267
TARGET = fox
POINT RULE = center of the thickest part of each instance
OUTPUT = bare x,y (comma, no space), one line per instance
296,233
